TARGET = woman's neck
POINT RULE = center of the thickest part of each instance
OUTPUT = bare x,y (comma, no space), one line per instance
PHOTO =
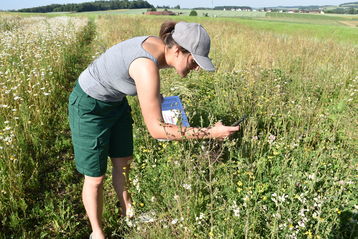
156,47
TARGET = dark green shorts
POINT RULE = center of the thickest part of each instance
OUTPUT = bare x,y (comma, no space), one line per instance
99,129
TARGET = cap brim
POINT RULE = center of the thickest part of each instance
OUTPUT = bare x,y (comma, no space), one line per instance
204,62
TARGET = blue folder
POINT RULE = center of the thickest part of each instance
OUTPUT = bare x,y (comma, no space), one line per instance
173,111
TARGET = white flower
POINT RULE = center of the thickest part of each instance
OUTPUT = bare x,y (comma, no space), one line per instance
246,198
301,224
236,212
271,138
147,217
282,198
129,222
174,221
187,186
7,140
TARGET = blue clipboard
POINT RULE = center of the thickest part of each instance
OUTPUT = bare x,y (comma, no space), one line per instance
173,111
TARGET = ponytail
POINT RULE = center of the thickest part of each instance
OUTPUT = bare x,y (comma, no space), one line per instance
165,34
166,30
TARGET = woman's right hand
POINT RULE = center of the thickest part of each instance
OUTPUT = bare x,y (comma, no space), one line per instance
220,131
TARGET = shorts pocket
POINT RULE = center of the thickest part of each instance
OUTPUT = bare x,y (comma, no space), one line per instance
72,112
72,99
86,144
86,105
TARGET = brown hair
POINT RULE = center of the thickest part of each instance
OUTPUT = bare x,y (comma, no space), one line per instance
165,34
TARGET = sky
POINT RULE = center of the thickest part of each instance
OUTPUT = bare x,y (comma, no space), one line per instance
18,4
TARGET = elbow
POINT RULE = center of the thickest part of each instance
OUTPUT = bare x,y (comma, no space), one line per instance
159,130
156,134
160,133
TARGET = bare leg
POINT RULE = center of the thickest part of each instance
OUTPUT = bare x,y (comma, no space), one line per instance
92,196
121,167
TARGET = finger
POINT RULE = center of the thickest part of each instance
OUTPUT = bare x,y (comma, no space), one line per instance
234,128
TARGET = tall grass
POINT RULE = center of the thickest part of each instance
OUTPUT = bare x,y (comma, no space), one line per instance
289,173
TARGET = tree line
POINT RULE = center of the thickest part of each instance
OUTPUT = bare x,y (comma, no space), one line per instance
232,7
341,10
90,6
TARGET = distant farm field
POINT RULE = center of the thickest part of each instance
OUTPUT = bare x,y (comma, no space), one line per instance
342,28
290,172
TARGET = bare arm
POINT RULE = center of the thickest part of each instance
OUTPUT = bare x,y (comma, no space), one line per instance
146,76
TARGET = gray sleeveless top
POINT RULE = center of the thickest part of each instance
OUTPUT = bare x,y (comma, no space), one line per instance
107,78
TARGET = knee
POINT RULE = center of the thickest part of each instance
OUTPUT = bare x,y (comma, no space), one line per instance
94,181
122,162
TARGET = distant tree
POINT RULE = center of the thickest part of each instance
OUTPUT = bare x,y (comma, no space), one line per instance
90,6
351,10
193,13
231,7
153,9
177,7
163,6
343,10
205,14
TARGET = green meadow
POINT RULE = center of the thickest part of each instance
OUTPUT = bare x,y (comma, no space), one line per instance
290,172
341,28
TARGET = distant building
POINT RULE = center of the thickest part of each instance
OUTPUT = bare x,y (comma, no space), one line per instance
160,13
316,11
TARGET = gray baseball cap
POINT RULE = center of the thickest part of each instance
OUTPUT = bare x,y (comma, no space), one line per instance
194,38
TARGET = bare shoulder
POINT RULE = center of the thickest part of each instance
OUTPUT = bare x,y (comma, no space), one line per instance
143,67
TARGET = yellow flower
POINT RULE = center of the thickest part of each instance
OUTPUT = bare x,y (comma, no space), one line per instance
338,211
308,233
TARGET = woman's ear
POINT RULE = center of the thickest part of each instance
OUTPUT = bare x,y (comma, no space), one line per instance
176,50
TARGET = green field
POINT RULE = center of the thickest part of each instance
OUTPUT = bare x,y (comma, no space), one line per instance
290,172
341,28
